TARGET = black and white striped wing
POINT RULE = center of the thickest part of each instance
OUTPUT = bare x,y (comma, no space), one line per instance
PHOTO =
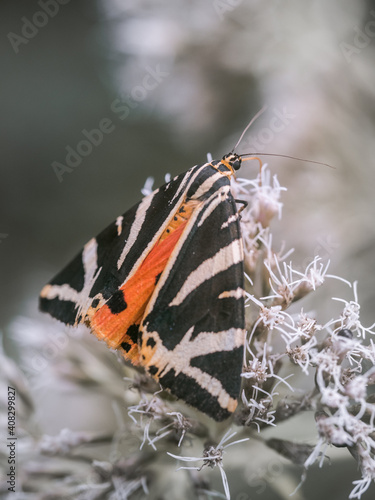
193,333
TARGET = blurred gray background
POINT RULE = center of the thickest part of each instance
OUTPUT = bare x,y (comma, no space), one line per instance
171,81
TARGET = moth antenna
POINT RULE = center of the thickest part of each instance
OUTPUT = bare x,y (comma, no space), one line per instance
260,112
287,156
260,166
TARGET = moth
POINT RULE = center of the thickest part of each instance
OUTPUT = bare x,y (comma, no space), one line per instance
164,285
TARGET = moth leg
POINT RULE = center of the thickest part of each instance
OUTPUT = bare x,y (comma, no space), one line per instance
244,205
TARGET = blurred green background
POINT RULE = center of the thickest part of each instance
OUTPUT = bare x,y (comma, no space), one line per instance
175,80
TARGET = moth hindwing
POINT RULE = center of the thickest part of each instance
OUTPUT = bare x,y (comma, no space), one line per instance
164,284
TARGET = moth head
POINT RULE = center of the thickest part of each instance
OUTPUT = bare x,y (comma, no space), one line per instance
232,160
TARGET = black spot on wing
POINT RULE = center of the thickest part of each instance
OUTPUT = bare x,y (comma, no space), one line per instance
117,302
126,346
153,370
95,303
189,390
225,366
133,333
151,342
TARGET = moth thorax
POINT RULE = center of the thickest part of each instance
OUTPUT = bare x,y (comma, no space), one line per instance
232,161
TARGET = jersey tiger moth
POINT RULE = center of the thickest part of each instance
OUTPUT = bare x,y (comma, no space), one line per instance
164,284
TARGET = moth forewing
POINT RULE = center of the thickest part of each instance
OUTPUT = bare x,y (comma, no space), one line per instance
187,328
169,345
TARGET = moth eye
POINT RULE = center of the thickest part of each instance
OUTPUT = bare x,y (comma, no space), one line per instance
234,160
